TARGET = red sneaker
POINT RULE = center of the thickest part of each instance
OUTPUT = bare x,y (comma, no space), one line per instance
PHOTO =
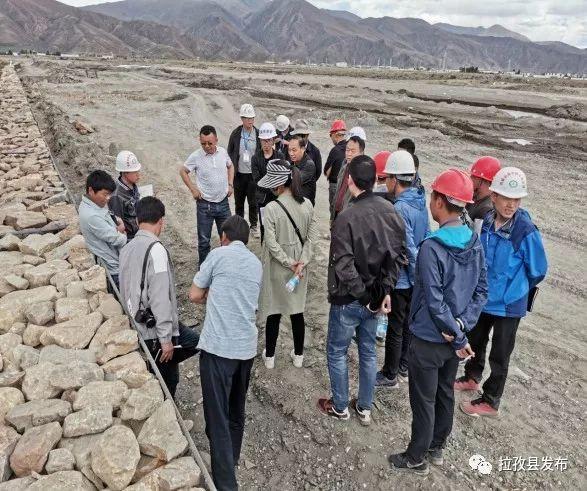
478,407
466,383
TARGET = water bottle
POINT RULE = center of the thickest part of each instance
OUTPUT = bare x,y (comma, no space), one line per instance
381,325
291,285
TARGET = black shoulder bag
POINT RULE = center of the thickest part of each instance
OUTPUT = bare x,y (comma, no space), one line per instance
291,221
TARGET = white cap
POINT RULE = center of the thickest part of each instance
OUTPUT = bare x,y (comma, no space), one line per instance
127,162
301,127
510,182
267,131
247,111
282,122
400,163
357,131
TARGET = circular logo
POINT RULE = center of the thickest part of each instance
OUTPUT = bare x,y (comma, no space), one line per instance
513,183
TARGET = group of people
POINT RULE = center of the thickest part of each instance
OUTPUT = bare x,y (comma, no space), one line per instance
439,294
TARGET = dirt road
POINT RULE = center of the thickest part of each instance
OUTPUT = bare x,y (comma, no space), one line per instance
156,112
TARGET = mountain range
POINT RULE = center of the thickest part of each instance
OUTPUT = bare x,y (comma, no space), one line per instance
257,30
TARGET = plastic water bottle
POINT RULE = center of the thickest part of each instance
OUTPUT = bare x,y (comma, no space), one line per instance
381,325
291,285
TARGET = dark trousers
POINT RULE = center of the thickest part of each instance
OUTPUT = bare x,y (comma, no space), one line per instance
225,383
502,346
398,334
207,214
188,340
433,369
298,328
245,189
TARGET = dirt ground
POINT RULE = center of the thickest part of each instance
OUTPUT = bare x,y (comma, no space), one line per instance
156,112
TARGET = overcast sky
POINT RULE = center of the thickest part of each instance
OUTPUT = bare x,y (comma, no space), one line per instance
540,20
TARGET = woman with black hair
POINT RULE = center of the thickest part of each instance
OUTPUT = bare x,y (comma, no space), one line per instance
290,234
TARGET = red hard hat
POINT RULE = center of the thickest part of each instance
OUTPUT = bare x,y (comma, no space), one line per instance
380,159
456,185
486,168
338,125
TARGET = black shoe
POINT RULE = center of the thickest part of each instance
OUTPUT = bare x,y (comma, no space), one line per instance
403,375
401,461
434,456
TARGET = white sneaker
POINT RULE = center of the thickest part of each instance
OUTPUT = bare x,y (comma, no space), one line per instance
269,361
298,360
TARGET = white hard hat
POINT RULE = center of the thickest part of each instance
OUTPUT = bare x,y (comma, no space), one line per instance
400,162
267,131
282,122
247,111
127,162
510,182
357,131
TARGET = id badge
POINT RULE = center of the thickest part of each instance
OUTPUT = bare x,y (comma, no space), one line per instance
246,157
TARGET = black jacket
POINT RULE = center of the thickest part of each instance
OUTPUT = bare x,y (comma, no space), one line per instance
281,147
123,203
480,209
368,241
308,173
259,169
315,156
335,160
234,145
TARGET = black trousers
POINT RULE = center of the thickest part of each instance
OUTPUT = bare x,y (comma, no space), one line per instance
298,327
398,334
433,369
188,339
245,189
502,346
225,383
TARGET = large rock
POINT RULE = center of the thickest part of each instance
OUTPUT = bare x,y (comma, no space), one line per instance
37,245
17,302
63,251
75,375
9,398
7,319
60,459
9,243
64,278
182,473
161,435
11,378
25,356
94,279
115,457
111,326
63,212
62,481
76,333
98,393
142,402
131,369
37,413
11,258
41,275
117,344
8,440
76,290
81,259
62,356
81,448
18,282
25,219
32,260
33,448
19,484
71,308
32,335
109,306
8,342
37,382
88,421
40,313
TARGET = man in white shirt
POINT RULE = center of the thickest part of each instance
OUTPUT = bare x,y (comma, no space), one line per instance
214,184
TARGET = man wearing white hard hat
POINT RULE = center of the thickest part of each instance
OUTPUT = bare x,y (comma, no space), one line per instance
242,146
284,130
124,200
516,264
265,153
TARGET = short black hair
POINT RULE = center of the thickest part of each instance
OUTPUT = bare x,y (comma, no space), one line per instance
359,140
362,170
301,139
236,228
451,207
150,210
98,180
407,144
208,130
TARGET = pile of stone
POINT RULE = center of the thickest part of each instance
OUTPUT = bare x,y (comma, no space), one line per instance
79,410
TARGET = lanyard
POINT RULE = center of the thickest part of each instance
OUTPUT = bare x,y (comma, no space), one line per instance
246,138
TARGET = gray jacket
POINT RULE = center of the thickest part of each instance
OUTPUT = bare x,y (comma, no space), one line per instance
159,292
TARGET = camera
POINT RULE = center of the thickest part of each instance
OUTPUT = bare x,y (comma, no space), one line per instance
145,316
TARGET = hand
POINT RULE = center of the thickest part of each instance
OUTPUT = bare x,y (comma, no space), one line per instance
386,305
466,352
448,337
120,227
196,193
297,268
230,190
166,352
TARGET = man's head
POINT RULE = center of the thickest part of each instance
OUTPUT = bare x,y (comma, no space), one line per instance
442,210
362,174
150,214
99,187
482,173
400,170
208,139
508,188
296,148
355,146
451,191
337,131
234,228
129,167
267,135
407,144
247,114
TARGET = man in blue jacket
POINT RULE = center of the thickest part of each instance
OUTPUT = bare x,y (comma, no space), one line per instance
516,263
410,203
450,291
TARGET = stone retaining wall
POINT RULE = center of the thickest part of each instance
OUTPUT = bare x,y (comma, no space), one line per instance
78,408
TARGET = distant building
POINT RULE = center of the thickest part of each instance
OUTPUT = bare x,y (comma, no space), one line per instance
67,56
107,57
342,64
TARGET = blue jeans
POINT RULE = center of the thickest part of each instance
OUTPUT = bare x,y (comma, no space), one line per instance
343,322
207,214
